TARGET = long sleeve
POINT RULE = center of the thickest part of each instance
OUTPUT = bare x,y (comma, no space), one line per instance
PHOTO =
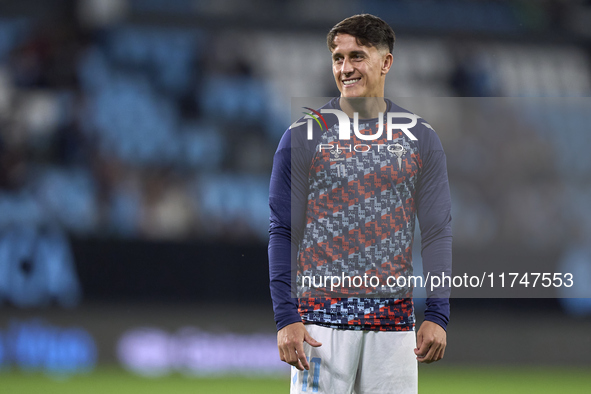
434,215
287,203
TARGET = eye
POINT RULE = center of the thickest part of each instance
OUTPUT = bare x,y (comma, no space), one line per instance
338,60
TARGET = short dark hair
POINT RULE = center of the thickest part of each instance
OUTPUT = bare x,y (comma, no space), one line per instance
369,30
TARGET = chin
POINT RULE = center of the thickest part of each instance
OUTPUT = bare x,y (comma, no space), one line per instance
352,94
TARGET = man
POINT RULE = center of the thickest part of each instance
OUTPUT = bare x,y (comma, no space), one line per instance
351,203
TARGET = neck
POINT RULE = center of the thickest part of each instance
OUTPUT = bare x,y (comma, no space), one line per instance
366,107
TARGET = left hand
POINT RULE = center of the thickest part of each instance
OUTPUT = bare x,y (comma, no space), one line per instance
431,342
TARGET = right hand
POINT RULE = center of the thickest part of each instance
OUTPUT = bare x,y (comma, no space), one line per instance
290,341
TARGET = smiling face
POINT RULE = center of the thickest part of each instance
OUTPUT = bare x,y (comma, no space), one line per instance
359,70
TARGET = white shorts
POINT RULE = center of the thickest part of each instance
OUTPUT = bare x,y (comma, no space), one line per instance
358,362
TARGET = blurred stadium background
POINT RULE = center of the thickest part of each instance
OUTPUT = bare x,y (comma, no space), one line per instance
136,143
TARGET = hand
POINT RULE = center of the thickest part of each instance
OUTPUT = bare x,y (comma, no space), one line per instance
290,341
431,342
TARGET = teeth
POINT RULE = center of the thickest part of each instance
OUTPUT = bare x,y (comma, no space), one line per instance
349,82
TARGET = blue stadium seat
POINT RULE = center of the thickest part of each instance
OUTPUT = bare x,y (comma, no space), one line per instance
124,212
20,208
233,98
226,198
201,146
169,54
69,195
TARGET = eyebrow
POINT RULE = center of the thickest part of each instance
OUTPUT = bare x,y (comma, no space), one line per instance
352,53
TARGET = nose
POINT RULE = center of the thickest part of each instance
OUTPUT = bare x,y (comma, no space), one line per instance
347,67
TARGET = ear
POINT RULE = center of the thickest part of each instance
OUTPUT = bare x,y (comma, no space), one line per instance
387,63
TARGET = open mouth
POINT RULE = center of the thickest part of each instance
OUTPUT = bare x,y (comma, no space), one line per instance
349,82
